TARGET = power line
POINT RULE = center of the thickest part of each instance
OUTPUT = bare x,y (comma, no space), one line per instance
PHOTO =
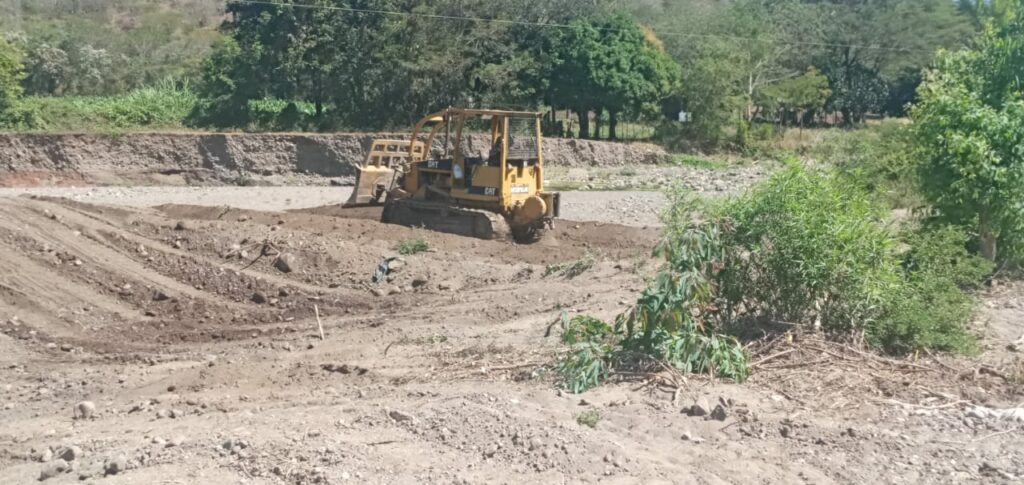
567,26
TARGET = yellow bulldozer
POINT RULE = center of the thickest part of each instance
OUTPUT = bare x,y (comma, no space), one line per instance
473,172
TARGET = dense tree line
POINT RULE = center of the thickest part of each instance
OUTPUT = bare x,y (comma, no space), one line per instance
373,70
348,63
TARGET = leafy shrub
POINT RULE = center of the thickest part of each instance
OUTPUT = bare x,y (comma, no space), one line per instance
804,246
879,158
664,327
943,253
279,114
699,162
163,106
807,247
742,137
572,269
11,75
412,246
589,418
930,310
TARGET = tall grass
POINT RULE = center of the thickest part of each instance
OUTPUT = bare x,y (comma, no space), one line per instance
164,106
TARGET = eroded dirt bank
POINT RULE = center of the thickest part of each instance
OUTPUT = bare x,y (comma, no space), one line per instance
202,363
195,158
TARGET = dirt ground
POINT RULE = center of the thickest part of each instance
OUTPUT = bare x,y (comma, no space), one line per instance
621,207
156,345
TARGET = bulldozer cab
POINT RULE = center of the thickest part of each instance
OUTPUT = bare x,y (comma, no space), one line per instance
484,158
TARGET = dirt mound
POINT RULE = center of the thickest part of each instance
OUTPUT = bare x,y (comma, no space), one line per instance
202,362
190,273
196,158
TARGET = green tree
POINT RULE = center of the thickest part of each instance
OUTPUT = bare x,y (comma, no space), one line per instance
610,64
876,50
981,11
808,92
11,75
732,52
969,125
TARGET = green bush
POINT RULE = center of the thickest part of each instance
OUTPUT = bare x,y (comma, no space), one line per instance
802,246
699,162
574,268
665,326
589,418
412,246
806,247
877,157
931,309
11,75
164,106
281,115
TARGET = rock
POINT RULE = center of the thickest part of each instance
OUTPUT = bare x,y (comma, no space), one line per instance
180,226
51,345
115,465
718,413
379,292
66,347
53,469
160,296
785,431
1017,346
420,282
175,442
283,292
394,290
696,410
43,456
84,410
536,444
234,445
400,416
396,265
163,413
687,436
176,413
285,263
70,453
259,298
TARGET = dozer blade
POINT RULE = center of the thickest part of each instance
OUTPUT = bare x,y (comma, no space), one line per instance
441,217
372,182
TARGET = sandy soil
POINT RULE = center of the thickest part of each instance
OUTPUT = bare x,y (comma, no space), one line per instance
622,207
202,362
